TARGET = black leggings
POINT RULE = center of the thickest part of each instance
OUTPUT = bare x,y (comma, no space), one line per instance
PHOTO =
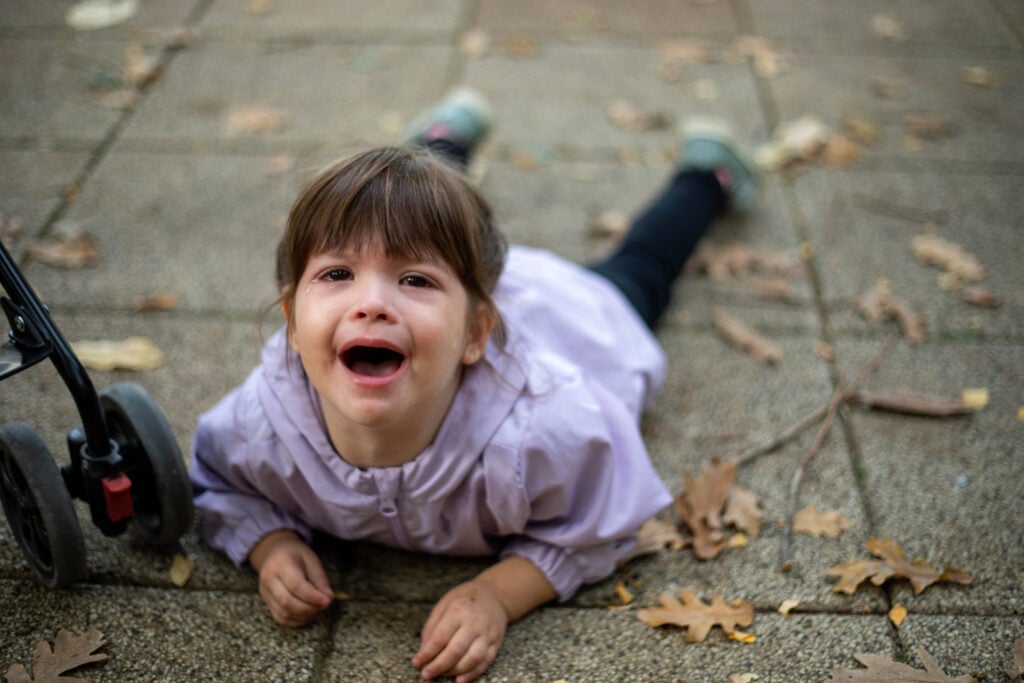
653,253
659,241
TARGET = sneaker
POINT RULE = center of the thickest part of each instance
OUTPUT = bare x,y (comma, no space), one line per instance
709,145
463,118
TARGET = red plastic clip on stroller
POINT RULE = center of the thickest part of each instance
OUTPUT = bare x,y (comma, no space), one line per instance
125,461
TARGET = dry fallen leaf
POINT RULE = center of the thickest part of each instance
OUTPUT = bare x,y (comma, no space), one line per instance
927,126
742,510
897,614
881,304
840,151
475,43
700,505
90,15
762,349
892,564
133,353
181,569
820,523
882,668
768,61
70,651
975,397
741,637
802,138
71,252
720,262
609,224
885,26
624,115
979,296
743,678
860,129
254,119
947,255
519,47
157,302
696,616
912,404
140,68
653,536
1017,673
787,606
624,594
976,75
10,229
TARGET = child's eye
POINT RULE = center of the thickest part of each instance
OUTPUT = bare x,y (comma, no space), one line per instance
336,275
416,281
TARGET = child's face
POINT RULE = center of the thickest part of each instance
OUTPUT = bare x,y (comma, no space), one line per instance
383,338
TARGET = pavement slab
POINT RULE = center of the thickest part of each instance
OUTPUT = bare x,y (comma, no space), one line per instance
34,187
155,634
374,642
856,243
948,490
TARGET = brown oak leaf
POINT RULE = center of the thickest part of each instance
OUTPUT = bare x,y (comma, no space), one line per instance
742,510
882,668
948,256
893,564
881,304
700,506
820,523
73,251
696,616
70,651
655,535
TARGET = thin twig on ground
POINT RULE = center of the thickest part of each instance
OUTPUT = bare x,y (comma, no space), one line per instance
838,396
815,415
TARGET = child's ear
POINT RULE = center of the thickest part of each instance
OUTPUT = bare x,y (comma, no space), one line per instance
479,332
286,309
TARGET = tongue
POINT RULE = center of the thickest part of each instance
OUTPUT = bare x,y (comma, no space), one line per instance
375,368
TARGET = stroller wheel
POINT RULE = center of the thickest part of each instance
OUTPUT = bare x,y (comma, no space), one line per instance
161,494
38,507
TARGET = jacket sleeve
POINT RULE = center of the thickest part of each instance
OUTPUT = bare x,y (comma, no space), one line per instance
587,485
235,513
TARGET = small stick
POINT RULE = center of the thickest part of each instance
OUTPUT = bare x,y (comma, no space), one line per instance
838,396
815,415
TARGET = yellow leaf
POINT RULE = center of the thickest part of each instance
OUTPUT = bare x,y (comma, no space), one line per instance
1020,413
254,119
738,540
625,596
133,353
897,614
342,595
976,398
787,606
181,569
976,75
743,678
741,636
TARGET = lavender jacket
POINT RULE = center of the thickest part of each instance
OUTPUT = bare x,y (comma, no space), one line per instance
540,454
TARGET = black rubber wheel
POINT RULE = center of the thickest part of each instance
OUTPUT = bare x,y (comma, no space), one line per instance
38,507
161,494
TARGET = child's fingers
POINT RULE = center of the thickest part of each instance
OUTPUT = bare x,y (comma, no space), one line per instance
435,638
475,662
450,660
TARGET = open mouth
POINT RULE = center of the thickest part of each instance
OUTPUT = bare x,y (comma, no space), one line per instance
372,361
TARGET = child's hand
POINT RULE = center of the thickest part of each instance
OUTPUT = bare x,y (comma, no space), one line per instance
292,578
463,633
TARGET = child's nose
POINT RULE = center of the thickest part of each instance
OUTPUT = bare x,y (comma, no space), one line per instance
373,303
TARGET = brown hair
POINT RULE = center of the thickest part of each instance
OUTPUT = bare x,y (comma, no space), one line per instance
408,202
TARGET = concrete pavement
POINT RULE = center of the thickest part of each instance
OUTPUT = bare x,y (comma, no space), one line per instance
178,202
